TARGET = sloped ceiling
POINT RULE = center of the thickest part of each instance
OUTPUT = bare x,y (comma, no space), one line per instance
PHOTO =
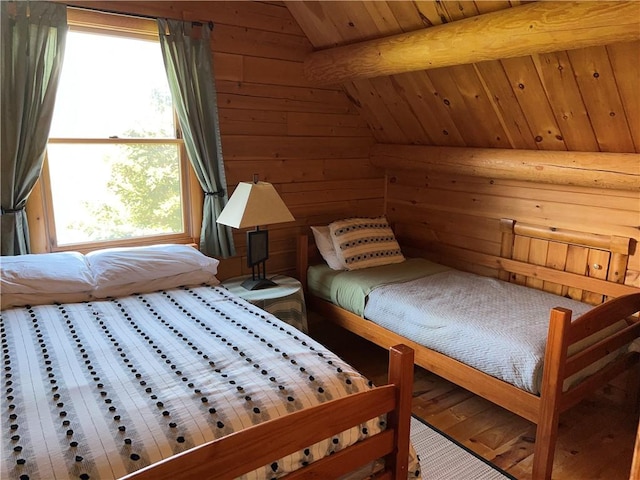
582,99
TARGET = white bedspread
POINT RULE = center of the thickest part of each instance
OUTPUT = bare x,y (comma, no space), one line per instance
98,390
497,327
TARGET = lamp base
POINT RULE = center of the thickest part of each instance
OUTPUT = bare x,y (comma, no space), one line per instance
258,283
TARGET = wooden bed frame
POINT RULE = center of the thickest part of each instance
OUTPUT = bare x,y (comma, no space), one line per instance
603,257
254,447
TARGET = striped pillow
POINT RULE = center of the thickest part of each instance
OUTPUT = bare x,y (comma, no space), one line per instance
365,242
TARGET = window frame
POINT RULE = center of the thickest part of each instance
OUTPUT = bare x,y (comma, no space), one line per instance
40,211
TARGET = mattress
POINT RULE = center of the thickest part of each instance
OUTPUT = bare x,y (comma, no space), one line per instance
100,389
349,288
494,326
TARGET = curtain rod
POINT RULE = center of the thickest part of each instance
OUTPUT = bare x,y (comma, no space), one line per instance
198,23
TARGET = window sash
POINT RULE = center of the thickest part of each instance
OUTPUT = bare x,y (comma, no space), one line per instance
42,201
187,184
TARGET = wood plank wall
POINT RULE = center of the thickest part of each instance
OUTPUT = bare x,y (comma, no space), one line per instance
430,211
311,143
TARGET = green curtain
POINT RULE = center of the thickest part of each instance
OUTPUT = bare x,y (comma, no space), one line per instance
187,57
33,39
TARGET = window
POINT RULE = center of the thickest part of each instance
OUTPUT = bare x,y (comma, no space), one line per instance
116,171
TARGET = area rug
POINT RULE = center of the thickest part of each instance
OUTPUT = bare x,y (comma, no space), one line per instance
442,458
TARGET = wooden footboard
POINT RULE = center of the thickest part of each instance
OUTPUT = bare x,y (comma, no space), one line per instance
254,447
559,365
605,267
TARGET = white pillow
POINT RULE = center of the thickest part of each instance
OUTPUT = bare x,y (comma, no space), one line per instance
127,270
365,242
41,278
324,243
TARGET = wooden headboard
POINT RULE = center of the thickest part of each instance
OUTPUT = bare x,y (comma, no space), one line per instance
584,266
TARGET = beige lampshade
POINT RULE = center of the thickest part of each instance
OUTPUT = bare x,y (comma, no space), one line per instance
254,204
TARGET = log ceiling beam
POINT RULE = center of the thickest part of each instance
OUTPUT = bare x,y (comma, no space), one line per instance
618,171
540,27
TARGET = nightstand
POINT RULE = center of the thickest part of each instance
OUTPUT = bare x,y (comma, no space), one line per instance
285,300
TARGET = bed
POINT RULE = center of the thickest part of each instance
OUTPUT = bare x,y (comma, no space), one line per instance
134,363
588,334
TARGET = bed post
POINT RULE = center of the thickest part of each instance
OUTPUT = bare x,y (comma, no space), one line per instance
506,245
401,374
552,379
303,260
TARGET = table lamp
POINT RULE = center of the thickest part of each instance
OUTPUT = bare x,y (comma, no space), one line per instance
251,205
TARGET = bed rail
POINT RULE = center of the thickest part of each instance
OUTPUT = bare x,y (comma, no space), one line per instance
254,447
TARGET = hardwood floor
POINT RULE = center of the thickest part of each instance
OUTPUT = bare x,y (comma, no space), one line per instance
596,437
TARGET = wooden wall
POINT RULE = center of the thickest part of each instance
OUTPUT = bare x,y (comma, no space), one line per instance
311,143
433,211
578,99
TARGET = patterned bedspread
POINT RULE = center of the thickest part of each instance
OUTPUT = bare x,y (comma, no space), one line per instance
98,390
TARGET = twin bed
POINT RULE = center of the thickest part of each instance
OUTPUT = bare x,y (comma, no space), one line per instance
145,368
536,346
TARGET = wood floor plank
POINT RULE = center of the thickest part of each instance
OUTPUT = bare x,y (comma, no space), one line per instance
468,407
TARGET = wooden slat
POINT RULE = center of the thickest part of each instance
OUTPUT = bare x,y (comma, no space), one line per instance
506,244
348,460
626,76
474,118
580,282
506,105
599,91
617,267
537,256
600,349
241,147
596,380
259,42
556,259
598,267
566,102
243,451
386,89
376,111
253,96
577,261
529,91
437,126
604,315
235,121
611,242
327,124
521,247
298,170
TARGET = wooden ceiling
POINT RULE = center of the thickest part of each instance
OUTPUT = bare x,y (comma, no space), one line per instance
576,99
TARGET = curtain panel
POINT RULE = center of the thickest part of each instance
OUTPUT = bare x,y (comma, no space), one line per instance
187,57
33,39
